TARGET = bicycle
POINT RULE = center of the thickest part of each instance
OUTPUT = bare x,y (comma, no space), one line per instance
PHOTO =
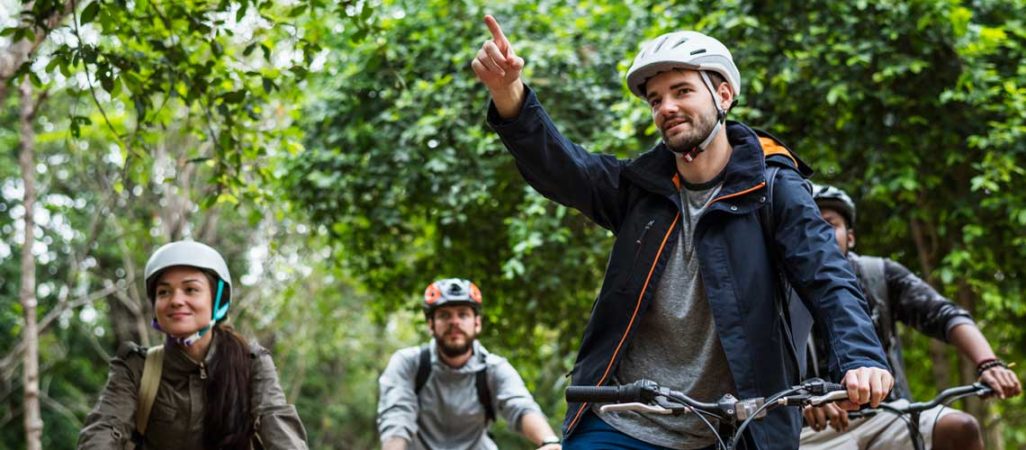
913,410
647,396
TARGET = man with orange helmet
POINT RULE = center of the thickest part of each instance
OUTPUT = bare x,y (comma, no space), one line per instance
445,394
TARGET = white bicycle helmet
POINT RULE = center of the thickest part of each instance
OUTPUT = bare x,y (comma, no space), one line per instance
836,199
200,256
686,50
682,50
451,291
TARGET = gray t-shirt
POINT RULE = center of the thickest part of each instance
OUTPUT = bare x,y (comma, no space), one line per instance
448,414
676,344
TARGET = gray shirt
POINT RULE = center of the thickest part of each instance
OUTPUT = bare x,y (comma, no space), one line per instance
449,414
676,344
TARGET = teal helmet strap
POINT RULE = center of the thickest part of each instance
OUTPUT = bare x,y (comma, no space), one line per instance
220,311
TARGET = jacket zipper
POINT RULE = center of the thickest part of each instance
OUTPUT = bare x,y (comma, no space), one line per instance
641,238
203,371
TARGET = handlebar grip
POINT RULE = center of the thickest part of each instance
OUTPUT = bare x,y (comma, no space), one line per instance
603,394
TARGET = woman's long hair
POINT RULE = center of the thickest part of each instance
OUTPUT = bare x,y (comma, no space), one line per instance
228,423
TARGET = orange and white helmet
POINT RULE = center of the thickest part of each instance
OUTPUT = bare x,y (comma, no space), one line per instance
451,291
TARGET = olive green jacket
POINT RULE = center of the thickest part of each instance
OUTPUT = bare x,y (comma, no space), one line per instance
176,420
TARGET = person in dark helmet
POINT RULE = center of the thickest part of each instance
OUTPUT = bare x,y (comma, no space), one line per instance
895,295
206,387
446,393
689,298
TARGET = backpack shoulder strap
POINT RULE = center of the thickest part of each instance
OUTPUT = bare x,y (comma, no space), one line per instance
872,269
152,370
796,319
484,393
423,369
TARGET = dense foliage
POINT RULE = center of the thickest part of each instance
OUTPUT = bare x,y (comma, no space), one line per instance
338,154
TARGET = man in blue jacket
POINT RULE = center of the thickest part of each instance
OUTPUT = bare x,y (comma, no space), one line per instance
688,298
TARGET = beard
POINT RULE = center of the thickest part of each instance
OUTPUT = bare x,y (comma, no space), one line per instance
700,129
453,349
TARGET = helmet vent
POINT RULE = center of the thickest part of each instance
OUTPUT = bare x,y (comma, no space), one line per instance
698,52
659,46
682,42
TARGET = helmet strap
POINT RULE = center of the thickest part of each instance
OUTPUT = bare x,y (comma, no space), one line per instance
721,116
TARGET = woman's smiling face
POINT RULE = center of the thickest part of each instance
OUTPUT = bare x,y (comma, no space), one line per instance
183,301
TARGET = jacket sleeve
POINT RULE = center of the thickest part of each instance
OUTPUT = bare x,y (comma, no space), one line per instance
558,168
918,305
397,402
823,278
511,396
277,422
110,424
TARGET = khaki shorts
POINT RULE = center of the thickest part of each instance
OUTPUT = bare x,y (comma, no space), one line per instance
883,431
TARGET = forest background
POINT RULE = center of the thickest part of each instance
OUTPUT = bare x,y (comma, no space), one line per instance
337,153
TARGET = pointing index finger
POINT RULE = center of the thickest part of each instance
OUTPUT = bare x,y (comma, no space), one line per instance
497,36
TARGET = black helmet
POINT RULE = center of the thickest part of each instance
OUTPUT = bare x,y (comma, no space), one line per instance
834,198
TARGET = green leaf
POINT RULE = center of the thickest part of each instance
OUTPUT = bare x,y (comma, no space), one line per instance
234,96
89,12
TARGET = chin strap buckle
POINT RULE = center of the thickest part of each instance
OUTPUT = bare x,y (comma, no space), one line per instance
691,154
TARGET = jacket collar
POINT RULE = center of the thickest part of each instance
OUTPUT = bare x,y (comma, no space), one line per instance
655,170
179,361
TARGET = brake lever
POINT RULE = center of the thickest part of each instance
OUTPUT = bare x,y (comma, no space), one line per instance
636,407
829,397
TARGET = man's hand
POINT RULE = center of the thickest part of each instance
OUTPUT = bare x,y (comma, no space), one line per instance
818,417
866,385
1003,381
551,447
499,68
496,64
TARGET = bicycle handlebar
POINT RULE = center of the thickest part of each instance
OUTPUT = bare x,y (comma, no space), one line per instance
646,396
944,397
646,392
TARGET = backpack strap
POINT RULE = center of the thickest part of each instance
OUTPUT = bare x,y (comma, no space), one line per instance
148,387
796,319
423,370
875,279
484,393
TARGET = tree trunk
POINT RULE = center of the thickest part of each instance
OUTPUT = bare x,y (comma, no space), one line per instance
926,249
33,419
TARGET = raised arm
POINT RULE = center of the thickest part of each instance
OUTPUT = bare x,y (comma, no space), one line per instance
499,68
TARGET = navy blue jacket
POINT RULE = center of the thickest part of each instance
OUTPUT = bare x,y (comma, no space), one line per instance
639,201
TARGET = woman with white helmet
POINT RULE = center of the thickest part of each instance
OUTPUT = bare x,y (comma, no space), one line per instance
691,284
206,387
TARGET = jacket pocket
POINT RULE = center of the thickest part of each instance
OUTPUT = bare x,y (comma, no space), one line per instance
166,426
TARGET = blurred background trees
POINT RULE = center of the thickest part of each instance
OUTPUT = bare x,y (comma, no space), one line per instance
337,153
